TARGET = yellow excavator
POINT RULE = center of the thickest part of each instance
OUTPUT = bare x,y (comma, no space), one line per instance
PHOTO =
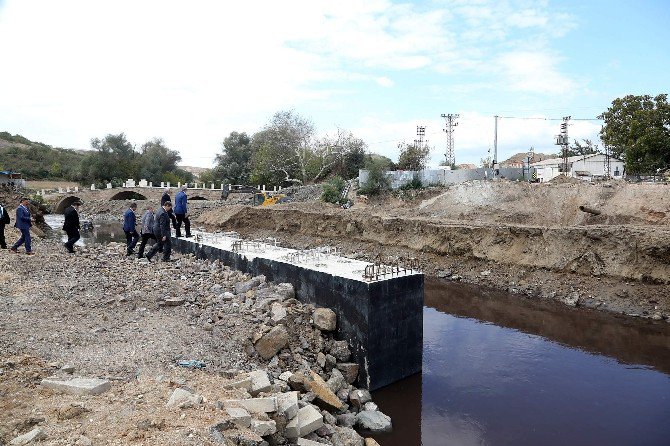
268,198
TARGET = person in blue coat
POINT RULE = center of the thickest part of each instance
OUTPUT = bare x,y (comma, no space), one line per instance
130,228
23,224
181,212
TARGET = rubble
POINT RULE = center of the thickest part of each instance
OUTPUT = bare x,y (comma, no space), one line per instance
78,386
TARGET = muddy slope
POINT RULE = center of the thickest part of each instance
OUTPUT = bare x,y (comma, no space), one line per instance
627,252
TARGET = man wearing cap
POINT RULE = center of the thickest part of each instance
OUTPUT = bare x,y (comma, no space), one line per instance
162,233
130,228
71,225
23,224
4,220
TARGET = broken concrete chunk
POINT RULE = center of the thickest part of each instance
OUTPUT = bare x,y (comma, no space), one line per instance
182,398
340,349
325,398
373,421
255,405
306,442
336,381
359,397
285,376
34,435
285,291
273,341
349,370
78,386
278,312
260,382
325,319
264,427
241,382
239,416
242,288
346,436
174,302
308,420
287,404
371,442
297,381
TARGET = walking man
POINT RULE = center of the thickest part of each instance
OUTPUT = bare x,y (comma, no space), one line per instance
4,220
23,224
71,225
164,198
130,228
162,233
147,230
181,211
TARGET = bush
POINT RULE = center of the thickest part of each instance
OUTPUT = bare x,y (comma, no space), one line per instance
414,184
377,179
332,191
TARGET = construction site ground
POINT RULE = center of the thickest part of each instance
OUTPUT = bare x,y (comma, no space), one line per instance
529,239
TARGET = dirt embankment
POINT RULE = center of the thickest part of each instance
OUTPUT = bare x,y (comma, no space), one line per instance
474,231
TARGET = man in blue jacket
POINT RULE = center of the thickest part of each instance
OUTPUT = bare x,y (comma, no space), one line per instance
181,212
130,228
23,224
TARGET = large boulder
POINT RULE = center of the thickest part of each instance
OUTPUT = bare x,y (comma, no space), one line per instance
324,397
325,319
273,341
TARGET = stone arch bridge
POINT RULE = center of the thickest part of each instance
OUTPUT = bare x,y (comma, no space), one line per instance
62,200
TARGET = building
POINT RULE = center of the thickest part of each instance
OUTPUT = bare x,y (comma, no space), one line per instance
11,179
584,167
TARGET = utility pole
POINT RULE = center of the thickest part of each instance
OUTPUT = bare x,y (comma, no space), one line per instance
451,123
608,162
420,132
563,141
495,144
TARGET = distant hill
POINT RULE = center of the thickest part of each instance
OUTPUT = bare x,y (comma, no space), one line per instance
36,160
194,170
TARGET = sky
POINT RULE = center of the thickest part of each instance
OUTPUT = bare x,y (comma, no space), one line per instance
192,72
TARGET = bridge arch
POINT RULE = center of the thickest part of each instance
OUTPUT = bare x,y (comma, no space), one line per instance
127,195
197,197
64,203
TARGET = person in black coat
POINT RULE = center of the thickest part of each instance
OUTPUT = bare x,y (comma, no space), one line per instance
4,220
165,198
162,233
71,226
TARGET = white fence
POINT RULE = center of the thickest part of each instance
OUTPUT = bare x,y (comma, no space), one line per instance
443,177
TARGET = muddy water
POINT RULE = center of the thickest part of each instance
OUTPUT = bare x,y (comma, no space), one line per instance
102,232
499,370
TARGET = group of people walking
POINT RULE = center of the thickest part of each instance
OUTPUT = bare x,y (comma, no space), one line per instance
154,225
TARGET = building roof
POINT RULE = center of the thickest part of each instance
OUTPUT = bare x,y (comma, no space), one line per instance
571,159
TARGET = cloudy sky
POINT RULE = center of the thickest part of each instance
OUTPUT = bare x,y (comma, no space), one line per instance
192,72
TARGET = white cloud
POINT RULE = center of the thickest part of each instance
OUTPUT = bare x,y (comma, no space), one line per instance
191,73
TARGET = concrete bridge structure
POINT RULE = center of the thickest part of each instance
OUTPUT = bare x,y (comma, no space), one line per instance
62,199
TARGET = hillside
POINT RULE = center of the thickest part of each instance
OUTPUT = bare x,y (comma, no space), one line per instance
36,160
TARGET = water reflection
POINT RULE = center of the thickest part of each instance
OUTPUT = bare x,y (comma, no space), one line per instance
484,383
102,232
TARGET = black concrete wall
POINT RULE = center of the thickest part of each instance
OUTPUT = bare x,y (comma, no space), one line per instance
382,321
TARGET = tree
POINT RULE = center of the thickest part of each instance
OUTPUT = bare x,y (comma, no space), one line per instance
341,155
156,159
377,180
233,164
282,151
114,158
413,157
637,129
579,149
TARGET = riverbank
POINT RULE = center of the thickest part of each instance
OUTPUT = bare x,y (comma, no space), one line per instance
99,314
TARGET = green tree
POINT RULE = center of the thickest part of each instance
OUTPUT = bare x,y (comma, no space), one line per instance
114,157
233,164
342,155
156,159
413,156
637,129
282,151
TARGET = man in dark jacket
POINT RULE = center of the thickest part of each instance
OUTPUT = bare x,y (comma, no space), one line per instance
23,223
4,220
164,198
71,226
147,231
130,228
162,233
